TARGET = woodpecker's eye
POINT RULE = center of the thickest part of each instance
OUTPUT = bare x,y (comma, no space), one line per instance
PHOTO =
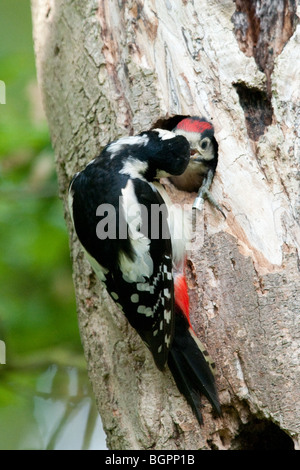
204,145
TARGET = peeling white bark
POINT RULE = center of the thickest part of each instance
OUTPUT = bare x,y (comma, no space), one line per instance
109,68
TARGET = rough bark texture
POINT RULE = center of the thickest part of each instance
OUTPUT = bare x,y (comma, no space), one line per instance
109,68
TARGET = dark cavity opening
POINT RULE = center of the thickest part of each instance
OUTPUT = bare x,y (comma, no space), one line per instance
257,109
262,435
169,124
263,28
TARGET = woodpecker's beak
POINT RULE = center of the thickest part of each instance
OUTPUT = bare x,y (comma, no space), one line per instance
195,155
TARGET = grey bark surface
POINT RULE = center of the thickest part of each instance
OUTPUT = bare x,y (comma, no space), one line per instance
109,68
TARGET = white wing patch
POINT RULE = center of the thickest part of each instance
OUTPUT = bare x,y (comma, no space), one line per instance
180,225
164,134
134,168
142,265
116,147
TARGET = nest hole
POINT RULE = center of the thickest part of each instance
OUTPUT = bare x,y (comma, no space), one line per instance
262,435
169,124
257,109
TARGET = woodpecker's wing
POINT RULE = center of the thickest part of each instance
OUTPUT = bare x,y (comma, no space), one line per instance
144,282
133,257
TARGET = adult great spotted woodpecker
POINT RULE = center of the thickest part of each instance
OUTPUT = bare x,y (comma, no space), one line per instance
199,174
120,214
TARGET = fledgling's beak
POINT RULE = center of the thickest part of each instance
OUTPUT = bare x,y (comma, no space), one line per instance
195,155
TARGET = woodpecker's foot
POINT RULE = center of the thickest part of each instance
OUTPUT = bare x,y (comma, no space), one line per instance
205,194
214,203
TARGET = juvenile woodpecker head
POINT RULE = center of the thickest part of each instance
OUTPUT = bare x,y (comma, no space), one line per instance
204,152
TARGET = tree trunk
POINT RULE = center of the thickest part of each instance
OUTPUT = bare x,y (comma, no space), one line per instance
109,68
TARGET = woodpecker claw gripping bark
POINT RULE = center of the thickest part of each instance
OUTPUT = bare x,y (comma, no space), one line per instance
121,215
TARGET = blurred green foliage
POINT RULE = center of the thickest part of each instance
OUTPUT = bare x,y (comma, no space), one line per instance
45,398
37,305
37,308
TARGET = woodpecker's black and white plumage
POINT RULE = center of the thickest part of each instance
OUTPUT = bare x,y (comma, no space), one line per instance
120,215
200,171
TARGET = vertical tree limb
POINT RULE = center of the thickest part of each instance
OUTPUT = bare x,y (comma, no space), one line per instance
109,68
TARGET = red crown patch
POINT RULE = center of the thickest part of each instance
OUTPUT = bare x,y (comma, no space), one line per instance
194,125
